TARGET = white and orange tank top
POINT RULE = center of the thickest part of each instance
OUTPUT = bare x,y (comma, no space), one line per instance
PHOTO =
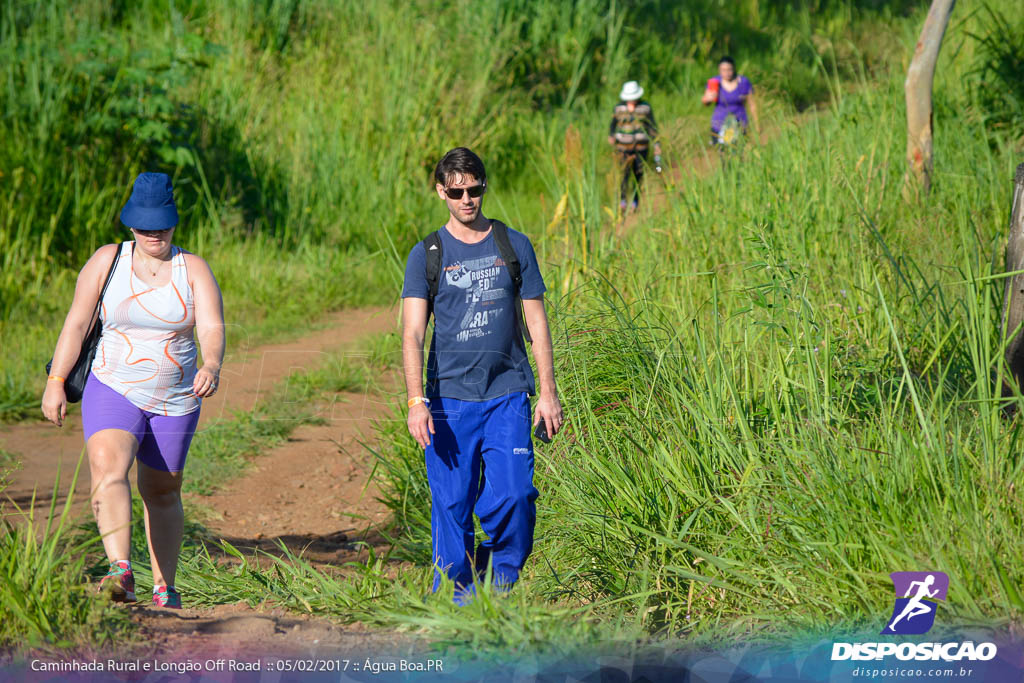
147,351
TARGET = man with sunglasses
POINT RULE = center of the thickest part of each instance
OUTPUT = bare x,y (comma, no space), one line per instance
473,417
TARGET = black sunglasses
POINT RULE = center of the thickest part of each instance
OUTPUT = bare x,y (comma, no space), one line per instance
456,192
152,233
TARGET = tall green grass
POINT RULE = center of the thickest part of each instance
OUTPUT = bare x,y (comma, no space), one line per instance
300,134
780,387
779,380
47,601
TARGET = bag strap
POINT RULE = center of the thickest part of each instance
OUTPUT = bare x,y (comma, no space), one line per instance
508,255
99,304
432,247
113,267
110,276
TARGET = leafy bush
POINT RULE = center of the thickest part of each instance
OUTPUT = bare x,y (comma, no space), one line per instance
995,80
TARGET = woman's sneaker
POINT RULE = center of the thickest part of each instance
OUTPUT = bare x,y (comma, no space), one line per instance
119,582
166,596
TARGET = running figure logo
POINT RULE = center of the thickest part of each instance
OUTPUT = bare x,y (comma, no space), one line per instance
916,596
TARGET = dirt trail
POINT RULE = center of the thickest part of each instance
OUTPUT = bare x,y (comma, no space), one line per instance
314,495
43,449
310,493
242,633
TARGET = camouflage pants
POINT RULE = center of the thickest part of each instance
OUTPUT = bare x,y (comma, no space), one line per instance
632,164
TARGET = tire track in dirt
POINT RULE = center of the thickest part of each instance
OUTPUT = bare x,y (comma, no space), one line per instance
312,494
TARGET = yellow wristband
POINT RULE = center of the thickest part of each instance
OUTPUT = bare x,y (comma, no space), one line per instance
417,399
55,377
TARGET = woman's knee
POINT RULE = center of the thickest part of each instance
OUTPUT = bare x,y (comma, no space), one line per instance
109,461
163,499
159,488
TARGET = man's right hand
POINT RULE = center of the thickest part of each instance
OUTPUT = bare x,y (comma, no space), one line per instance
611,139
421,424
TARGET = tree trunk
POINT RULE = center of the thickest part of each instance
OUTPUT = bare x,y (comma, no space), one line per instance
1013,295
918,90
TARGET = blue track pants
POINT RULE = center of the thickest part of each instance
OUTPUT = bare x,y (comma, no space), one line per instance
480,460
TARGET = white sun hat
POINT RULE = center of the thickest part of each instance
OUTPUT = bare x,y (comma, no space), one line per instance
631,91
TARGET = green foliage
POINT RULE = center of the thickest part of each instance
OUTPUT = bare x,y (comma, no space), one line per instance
776,385
300,134
780,382
995,80
46,599
399,465
381,593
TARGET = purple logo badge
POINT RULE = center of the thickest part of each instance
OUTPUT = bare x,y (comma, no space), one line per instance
917,594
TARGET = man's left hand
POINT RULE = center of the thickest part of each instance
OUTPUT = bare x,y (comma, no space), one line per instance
549,409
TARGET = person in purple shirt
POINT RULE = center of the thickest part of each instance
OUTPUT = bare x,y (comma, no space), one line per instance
732,95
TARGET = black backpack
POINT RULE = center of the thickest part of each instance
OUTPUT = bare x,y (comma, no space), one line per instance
432,247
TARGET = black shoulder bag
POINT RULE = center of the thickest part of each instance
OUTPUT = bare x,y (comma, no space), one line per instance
74,383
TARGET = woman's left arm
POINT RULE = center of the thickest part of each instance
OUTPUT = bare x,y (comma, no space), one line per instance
209,325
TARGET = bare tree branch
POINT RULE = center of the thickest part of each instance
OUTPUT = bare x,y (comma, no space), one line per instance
918,90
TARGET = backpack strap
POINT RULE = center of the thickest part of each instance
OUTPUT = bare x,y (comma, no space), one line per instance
508,255
432,247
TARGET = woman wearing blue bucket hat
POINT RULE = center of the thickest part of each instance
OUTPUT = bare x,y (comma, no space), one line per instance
142,398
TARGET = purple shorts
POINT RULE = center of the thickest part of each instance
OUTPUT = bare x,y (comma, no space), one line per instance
163,439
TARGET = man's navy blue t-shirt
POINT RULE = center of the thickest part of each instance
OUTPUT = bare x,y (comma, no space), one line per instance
477,352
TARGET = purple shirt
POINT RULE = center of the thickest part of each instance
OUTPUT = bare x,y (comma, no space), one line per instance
734,103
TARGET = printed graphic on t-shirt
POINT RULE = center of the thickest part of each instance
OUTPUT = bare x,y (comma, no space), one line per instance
477,277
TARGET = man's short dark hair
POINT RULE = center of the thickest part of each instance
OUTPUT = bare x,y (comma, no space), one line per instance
726,59
459,161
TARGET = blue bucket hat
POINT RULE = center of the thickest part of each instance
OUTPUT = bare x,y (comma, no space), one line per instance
151,206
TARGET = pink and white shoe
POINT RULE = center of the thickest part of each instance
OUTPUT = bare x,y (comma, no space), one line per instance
166,596
119,582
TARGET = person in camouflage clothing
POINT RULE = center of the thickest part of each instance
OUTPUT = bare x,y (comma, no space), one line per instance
632,132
